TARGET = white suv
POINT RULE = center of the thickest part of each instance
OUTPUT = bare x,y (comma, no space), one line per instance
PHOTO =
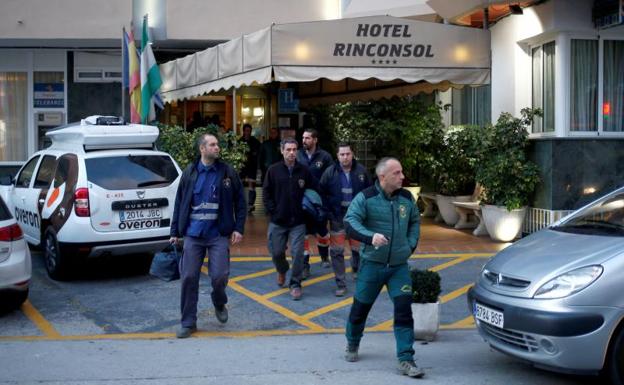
100,189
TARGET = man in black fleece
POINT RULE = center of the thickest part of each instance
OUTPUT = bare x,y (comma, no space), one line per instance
282,192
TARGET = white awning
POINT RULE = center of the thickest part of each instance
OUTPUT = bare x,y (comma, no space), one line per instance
381,47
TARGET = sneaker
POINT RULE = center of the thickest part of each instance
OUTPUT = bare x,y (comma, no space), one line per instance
341,291
325,263
295,293
281,279
305,274
184,332
351,354
410,369
222,314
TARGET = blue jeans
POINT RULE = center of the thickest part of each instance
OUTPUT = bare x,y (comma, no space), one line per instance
190,269
278,238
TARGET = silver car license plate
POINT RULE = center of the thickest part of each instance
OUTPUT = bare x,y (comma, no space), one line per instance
489,315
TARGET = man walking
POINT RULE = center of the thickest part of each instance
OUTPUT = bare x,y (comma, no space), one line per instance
385,218
339,184
269,151
317,160
209,212
250,167
282,192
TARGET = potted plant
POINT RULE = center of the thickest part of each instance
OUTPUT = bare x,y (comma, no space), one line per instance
507,175
456,168
425,303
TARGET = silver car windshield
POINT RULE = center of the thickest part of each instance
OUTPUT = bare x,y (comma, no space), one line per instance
605,217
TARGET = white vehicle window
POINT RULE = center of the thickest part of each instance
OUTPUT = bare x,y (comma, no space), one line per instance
25,176
45,172
131,171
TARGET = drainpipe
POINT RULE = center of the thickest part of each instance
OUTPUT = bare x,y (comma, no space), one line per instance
234,109
486,18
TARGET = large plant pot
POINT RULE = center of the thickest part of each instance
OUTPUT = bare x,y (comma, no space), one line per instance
503,225
426,320
447,208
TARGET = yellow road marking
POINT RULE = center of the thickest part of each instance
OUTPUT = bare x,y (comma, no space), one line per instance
455,293
328,308
33,314
466,323
275,307
451,255
454,262
261,273
305,283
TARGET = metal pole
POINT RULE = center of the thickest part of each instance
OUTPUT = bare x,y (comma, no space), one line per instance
123,74
234,109
486,18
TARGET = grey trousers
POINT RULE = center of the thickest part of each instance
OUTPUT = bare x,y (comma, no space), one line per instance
190,269
278,238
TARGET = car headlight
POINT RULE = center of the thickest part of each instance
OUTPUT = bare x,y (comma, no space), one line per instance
569,283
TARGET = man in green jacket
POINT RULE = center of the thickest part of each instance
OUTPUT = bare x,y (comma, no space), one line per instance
385,219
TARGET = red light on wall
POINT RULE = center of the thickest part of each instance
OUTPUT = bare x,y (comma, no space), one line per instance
606,108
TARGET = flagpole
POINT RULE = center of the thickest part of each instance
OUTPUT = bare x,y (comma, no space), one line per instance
123,73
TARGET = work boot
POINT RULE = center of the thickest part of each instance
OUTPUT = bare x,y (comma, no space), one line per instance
295,293
221,313
305,274
325,262
185,332
410,369
341,291
351,354
281,279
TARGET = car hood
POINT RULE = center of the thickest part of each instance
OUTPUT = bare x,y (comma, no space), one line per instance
544,255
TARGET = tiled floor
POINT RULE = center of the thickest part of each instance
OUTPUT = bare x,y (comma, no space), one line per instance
435,238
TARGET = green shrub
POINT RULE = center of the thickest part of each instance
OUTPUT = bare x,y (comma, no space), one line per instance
182,145
425,286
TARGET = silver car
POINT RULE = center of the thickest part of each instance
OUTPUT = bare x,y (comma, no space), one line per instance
556,297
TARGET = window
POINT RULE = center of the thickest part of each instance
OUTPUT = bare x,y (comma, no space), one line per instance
25,175
13,115
613,89
583,85
471,105
543,65
131,172
45,172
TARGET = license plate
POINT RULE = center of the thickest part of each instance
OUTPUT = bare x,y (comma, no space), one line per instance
138,215
488,315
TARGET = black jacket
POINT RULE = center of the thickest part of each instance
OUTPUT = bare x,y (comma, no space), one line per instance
232,206
317,164
331,190
282,194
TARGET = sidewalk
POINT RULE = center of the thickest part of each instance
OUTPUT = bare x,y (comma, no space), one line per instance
456,358
435,238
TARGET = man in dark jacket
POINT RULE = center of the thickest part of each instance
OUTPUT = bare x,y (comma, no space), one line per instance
269,151
250,167
209,212
385,219
282,192
317,160
339,184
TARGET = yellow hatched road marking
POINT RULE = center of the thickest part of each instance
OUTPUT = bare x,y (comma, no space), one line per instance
305,283
33,314
466,323
239,278
451,255
275,307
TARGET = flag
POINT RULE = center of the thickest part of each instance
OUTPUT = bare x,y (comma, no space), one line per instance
134,78
150,77
125,59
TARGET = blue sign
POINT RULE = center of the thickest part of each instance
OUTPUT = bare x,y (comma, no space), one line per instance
286,101
49,95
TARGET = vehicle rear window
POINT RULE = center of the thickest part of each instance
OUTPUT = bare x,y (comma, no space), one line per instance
131,171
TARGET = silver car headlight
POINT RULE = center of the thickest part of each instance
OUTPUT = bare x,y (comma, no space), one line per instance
569,283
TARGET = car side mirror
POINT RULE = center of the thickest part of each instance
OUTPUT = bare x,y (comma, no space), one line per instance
6,180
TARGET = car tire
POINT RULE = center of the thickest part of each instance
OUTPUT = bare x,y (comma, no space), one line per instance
615,359
56,263
13,301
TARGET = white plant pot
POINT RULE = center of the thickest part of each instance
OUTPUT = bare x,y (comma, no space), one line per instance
503,225
447,208
426,320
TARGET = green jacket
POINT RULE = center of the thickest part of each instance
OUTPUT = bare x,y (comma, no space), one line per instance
396,217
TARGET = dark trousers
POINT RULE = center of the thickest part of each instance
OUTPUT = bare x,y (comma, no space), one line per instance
190,269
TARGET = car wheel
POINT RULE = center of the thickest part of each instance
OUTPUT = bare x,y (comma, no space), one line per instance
13,301
615,360
56,264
